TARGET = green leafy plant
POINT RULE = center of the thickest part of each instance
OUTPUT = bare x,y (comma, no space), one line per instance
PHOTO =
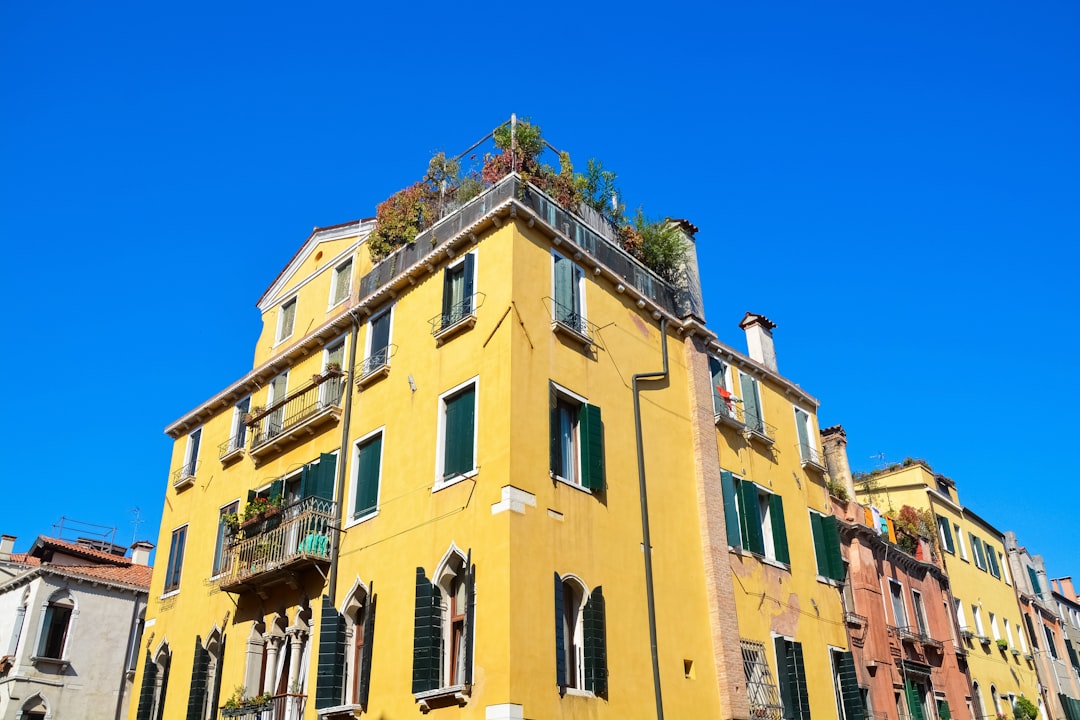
260,506
837,489
1024,709
660,245
1003,644
912,524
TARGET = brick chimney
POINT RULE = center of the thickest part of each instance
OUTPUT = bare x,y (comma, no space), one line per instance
140,552
759,342
7,546
834,445
1065,587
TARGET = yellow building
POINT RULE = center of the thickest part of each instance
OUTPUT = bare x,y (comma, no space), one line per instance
992,635
426,497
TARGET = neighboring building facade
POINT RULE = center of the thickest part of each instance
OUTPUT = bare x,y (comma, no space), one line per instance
1055,657
1000,662
1064,594
452,431
71,618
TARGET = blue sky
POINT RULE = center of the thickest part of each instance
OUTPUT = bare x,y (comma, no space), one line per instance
895,186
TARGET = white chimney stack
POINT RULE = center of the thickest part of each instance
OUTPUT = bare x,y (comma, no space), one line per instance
7,546
759,342
140,552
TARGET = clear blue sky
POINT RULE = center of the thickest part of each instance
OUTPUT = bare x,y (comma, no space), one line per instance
896,186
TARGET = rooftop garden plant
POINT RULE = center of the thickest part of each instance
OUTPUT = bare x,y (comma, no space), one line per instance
912,524
658,244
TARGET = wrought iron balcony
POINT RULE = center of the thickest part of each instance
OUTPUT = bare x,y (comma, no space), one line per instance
280,707
456,318
570,322
279,546
911,633
233,448
184,475
733,413
299,414
811,457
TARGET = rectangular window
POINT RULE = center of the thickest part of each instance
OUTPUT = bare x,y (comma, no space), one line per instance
1008,633
1051,641
239,428
960,618
459,282
176,559
830,562
54,629
977,552
368,475
1023,640
755,519
994,633
191,454
723,400
761,689
791,671
378,342
226,516
946,535
341,283
920,613
1036,586
457,424
333,384
577,441
976,613
286,320
960,541
896,592
849,698
991,560
568,281
751,402
275,421
808,450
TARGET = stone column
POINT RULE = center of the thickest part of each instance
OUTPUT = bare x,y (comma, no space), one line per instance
273,645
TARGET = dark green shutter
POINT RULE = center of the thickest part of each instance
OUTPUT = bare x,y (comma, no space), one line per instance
731,512
146,691
277,490
369,644
470,617
1072,653
1036,588
164,686
779,529
458,431
854,708
991,560
322,477
821,553
943,710
592,447
329,680
1031,629
216,699
560,640
788,697
250,495
750,517
305,480
831,531
977,550
801,689
595,641
915,708
751,409
367,479
427,635
946,534
197,691
554,438
566,307
470,285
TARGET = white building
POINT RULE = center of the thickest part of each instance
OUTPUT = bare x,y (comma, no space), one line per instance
71,620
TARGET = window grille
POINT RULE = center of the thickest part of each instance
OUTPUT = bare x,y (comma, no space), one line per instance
761,689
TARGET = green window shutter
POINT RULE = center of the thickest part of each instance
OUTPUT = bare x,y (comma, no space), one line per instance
595,641
943,710
731,512
801,689
991,560
369,644
560,640
751,405
458,433
1072,653
215,701
470,282
977,550
566,292
779,529
915,708
750,518
164,686
427,635
946,534
592,448
367,476
277,490
788,696
1034,577
322,477
470,616
854,707
146,690
821,554
801,422
328,682
831,531
197,692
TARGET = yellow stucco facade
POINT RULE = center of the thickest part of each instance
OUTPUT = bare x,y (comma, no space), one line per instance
986,609
461,522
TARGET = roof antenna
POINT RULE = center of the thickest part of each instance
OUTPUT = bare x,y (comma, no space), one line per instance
880,457
513,142
136,522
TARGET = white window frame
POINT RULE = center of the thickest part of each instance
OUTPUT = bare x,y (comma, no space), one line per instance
960,544
899,622
60,598
1003,563
765,516
961,618
976,613
238,425
388,312
918,608
335,278
725,374
994,632
1023,640
452,267
354,487
440,449
577,647
191,457
443,579
224,566
166,590
1008,632
278,336
759,401
580,272
569,395
808,424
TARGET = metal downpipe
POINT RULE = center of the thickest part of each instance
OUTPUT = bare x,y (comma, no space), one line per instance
339,484
646,539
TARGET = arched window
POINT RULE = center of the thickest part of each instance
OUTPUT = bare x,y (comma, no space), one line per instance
55,624
976,698
155,683
444,626
580,637
359,613
995,699
36,707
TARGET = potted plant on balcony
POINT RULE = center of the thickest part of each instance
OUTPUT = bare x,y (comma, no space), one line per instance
1003,645
238,704
249,417
231,521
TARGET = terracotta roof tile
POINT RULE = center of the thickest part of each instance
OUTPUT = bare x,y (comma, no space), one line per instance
25,559
133,575
78,550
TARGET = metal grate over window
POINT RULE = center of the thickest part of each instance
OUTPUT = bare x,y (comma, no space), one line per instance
761,689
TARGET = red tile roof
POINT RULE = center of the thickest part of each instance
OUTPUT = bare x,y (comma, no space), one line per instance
48,543
133,575
25,559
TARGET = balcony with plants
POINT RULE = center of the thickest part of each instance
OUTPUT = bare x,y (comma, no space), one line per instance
297,416
285,706
731,412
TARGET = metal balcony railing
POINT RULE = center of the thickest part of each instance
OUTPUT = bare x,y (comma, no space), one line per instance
914,634
457,219
233,445
281,707
735,413
810,455
377,360
185,473
324,392
455,314
299,533
571,319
